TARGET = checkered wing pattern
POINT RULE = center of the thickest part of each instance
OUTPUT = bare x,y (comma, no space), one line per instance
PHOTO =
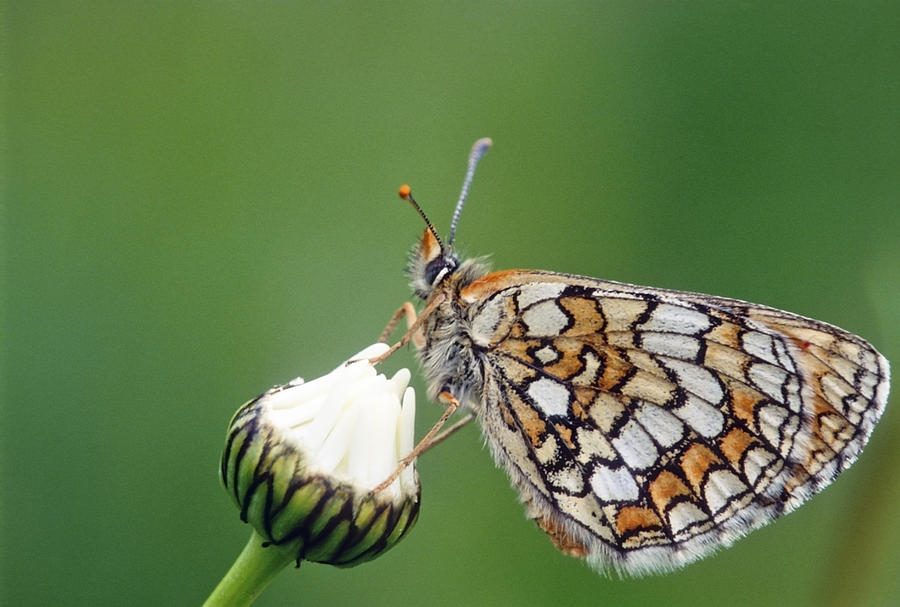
646,427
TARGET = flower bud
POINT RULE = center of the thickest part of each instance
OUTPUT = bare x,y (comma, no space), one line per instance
302,459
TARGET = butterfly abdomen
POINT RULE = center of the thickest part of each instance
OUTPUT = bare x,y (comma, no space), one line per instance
448,356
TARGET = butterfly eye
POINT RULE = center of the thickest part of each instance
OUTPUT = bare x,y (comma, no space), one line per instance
438,269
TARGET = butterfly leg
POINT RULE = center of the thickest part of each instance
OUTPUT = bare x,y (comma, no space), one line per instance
406,310
412,333
451,430
427,441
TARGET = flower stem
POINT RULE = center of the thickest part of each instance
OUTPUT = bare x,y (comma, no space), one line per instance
254,568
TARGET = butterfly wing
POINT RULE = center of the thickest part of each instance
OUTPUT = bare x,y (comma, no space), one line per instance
646,427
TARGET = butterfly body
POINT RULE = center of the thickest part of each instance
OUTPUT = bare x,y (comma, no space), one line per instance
643,427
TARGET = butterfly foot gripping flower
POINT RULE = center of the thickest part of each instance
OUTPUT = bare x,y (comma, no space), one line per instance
302,461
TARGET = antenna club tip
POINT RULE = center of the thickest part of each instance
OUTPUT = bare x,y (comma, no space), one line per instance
404,191
483,144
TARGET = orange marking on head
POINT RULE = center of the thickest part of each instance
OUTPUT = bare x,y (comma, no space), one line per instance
404,191
734,444
695,462
665,487
564,542
430,247
631,518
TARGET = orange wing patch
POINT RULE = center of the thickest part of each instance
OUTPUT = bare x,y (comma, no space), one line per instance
587,318
734,444
665,487
636,518
695,462
564,542
744,401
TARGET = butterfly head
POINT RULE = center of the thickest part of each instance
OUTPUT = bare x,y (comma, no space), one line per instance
432,261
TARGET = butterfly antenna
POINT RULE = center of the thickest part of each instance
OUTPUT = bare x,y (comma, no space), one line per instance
478,150
405,193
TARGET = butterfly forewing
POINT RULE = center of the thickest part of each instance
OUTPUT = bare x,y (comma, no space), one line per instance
646,427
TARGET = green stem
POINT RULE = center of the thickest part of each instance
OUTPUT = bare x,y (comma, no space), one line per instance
248,577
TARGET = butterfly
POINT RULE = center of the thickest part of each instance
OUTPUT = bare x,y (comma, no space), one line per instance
643,428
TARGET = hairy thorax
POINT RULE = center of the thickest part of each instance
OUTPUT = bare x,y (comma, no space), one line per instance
450,359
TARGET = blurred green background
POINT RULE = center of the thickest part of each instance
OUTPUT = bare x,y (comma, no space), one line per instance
200,202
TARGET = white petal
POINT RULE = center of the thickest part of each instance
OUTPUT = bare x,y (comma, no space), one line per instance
382,458
358,456
317,431
332,454
300,414
297,394
400,381
371,352
406,438
351,423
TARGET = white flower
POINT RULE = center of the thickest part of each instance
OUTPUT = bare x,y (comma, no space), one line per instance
302,460
352,424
